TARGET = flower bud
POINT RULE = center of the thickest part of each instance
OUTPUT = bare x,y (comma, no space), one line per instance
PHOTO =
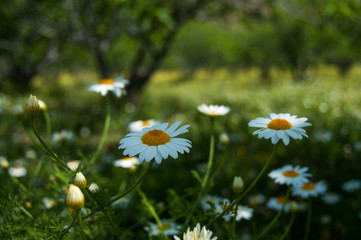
74,198
224,139
42,105
4,164
293,207
80,180
238,185
93,187
32,106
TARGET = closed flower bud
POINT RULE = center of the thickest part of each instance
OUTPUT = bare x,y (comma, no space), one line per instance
32,106
4,163
224,139
238,185
80,180
293,207
74,198
42,105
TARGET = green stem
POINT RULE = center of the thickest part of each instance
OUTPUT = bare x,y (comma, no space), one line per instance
105,132
27,213
234,223
288,227
17,182
119,196
309,217
50,153
150,207
80,222
249,188
67,229
275,219
48,123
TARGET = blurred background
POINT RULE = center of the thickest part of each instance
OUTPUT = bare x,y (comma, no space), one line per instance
256,56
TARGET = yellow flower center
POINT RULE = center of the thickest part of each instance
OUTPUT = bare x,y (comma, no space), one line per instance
279,124
127,159
290,173
308,186
164,227
145,124
155,137
281,200
106,81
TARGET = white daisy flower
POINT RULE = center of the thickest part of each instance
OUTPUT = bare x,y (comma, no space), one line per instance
290,175
117,86
139,125
49,202
352,185
280,126
17,171
62,136
331,198
156,142
309,189
73,164
277,203
168,227
127,162
213,110
209,201
197,234
243,212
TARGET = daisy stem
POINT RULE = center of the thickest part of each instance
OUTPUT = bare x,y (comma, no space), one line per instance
48,123
82,233
17,182
105,132
50,153
289,226
249,188
119,196
150,207
275,219
234,222
309,217
67,229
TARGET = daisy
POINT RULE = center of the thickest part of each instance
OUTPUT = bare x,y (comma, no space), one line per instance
197,234
331,198
290,175
73,164
127,162
49,202
168,227
213,110
208,202
352,186
117,86
93,187
277,203
243,212
309,189
137,126
157,142
280,126
17,171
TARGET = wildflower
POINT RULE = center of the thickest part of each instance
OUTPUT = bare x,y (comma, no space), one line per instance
213,110
49,202
74,198
197,234
280,126
4,163
139,125
352,185
117,86
168,227
238,185
309,189
290,175
93,187
73,164
127,162
277,203
243,212
209,202
62,136
80,180
42,105
156,142
331,198
32,106
17,171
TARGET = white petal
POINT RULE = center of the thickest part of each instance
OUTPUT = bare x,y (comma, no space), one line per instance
180,141
163,151
150,153
275,139
286,139
173,127
181,130
158,157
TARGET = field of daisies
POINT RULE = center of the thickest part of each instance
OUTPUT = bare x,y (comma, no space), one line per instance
220,156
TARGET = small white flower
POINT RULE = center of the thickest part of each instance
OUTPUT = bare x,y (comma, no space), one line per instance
62,136
168,227
331,198
156,142
352,185
290,175
210,201
213,110
139,125
49,202
277,203
280,126
73,164
197,234
17,171
93,187
243,212
127,162
117,86
309,189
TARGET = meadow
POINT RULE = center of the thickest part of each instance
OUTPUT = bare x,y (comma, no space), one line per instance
171,197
